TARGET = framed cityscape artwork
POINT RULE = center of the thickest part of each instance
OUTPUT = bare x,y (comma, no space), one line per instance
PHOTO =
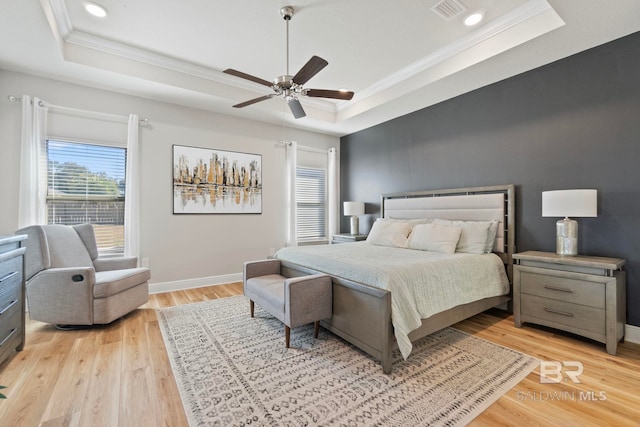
207,181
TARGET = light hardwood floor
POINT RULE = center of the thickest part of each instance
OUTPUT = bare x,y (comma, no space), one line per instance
120,375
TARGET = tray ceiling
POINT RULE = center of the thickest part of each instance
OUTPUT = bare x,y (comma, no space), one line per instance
396,56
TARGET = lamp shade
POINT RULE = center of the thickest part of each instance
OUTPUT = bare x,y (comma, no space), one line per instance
353,208
570,203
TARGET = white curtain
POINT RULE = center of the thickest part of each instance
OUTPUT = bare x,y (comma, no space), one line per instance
132,192
292,154
333,192
33,179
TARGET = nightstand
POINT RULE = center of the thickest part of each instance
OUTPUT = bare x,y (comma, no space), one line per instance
584,295
346,238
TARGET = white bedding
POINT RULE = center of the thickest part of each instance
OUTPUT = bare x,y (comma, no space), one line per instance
421,283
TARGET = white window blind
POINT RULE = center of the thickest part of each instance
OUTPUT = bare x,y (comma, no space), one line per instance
311,204
86,184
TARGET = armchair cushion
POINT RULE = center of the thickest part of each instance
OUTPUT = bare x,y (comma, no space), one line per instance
112,282
269,290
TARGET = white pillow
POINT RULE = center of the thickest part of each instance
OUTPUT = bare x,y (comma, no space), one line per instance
435,238
491,236
474,236
389,233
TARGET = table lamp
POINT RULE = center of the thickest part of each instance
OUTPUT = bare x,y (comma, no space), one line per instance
569,203
353,209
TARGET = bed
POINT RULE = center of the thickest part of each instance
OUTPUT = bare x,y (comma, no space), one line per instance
376,304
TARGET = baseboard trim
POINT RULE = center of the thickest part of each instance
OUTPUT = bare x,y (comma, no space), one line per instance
179,285
632,334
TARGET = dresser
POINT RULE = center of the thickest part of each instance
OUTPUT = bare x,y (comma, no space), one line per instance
12,296
584,295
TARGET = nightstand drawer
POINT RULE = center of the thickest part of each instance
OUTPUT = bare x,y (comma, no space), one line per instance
573,290
559,312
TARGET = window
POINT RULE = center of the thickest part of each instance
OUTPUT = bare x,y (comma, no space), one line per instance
86,184
311,204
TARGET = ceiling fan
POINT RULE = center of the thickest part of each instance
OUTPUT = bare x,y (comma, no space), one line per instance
290,87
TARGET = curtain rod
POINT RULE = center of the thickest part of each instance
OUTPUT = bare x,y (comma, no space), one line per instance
143,122
305,148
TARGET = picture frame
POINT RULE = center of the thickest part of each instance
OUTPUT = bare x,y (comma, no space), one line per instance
212,181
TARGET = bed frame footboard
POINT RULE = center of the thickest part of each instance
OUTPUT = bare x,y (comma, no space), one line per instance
362,315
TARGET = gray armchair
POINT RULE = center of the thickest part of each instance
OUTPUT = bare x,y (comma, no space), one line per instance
67,284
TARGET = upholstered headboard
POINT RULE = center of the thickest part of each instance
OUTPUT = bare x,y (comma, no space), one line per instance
468,204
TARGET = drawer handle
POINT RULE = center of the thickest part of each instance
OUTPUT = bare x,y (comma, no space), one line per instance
553,288
11,304
564,313
8,276
13,331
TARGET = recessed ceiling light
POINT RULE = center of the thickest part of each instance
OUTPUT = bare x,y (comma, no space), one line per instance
95,10
473,19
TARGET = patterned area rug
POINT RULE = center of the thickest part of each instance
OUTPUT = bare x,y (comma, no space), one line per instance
233,370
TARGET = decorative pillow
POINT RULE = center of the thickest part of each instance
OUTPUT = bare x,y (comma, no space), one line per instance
435,238
389,233
491,236
474,236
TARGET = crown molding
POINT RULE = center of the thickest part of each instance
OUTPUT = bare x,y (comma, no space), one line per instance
64,30
61,17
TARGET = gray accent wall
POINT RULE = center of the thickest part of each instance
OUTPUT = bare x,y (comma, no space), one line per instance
574,123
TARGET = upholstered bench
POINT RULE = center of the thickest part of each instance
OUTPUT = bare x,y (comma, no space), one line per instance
294,301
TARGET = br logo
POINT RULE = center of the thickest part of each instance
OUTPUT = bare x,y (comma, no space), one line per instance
554,372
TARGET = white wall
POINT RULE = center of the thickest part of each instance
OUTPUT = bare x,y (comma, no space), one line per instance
183,250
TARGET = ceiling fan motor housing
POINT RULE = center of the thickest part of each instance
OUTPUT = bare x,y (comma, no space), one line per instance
284,82
287,13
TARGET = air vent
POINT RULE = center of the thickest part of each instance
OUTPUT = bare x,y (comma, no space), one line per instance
449,9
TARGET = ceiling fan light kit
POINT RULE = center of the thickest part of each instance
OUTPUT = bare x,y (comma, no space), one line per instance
291,87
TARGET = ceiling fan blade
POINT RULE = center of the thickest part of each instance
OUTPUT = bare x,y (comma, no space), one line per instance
253,101
296,108
323,93
310,69
247,77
